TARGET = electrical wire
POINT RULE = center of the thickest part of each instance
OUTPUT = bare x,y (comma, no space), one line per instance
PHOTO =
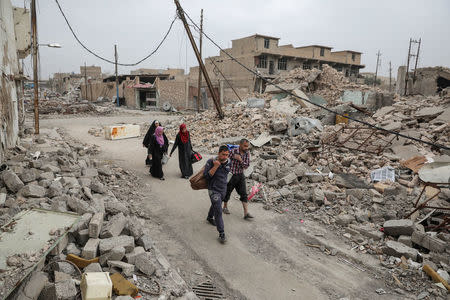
110,61
309,101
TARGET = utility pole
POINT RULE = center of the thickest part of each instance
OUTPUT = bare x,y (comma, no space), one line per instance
197,54
417,59
200,73
35,66
85,81
376,69
212,61
390,77
117,77
411,41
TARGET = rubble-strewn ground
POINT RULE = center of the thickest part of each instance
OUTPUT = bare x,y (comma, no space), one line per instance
59,174
323,218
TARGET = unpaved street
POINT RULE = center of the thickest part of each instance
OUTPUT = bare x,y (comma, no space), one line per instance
263,259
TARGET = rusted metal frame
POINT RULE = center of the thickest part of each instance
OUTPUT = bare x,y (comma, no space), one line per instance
423,205
350,136
387,144
442,225
373,132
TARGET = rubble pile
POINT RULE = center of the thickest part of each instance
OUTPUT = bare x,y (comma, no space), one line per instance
328,82
67,106
50,173
331,183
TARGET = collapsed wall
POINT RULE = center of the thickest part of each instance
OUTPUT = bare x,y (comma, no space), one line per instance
9,125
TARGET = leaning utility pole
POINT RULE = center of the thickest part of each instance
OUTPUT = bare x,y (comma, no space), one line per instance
200,73
85,81
217,68
376,69
411,41
390,77
117,77
35,66
200,62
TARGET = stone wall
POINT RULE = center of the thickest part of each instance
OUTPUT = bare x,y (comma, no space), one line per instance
174,92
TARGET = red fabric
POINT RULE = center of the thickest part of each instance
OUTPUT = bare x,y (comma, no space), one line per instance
184,135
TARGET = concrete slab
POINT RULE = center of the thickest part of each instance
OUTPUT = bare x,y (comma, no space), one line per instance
125,131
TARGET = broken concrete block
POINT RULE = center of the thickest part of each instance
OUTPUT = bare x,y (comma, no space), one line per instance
34,286
55,189
94,267
288,179
145,265
65,290
50,168
344,219
398,227
90,249
89,172
300,125
83,181
60,276
82,236
429,112
279,125
105,170
131,257
318,196
127,269
98,203
95,225
405,240
47,176
70,182
431,243
87,192
125,241
12,181
114,226
64,241
29,175
2,199
135,227
33,191
117,253
398,250
73,249
114,207
368,232
146,242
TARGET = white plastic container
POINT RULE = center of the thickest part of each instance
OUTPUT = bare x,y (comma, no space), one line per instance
96,286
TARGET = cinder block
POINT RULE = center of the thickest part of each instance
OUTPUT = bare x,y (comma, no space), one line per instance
90,249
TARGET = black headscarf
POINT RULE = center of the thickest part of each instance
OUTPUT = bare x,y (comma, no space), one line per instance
150,133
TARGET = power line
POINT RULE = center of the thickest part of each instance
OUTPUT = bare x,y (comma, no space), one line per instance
105,59
309,101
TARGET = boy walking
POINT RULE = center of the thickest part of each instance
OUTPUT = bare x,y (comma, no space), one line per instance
216,173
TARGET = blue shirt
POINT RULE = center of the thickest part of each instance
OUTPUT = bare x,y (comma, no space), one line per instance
218,182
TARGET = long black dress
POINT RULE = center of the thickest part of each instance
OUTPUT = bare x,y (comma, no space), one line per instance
157,151
184,155
146,141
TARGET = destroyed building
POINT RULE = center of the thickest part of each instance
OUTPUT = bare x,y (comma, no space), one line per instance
15,44
264,55
423,81
91,72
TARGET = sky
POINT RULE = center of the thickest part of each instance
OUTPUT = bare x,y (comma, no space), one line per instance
138,26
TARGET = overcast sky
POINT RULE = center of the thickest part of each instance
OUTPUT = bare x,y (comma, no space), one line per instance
138,26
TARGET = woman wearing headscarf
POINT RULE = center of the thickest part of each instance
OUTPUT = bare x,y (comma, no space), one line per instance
159,144
147,139
183,142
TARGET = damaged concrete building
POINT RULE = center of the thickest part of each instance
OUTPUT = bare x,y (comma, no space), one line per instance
264,55
15,44
423,81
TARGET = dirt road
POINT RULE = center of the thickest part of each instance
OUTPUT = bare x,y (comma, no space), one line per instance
263,259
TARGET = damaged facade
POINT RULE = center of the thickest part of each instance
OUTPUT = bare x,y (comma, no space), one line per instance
14,44
424,81
264,55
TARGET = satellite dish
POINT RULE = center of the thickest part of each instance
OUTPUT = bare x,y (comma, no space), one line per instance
167,106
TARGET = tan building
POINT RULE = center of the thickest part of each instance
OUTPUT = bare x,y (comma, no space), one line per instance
91,72
264,55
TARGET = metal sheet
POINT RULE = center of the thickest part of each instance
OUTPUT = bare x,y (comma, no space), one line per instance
29,233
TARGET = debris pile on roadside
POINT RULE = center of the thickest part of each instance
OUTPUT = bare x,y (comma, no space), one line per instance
58,175
68,106
355,180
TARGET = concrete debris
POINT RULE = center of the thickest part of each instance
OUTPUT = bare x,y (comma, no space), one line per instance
399,227
398,250
145,265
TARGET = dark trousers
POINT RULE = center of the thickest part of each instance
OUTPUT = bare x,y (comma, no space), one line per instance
216,210
237,182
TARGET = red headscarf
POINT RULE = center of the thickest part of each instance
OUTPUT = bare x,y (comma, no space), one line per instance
184,135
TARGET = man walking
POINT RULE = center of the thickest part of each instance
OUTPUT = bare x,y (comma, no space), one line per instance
216,173
239,161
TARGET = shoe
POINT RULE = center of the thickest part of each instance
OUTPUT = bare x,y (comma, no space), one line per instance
248,216
222,237
186,177
226,211
162,178
211,221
